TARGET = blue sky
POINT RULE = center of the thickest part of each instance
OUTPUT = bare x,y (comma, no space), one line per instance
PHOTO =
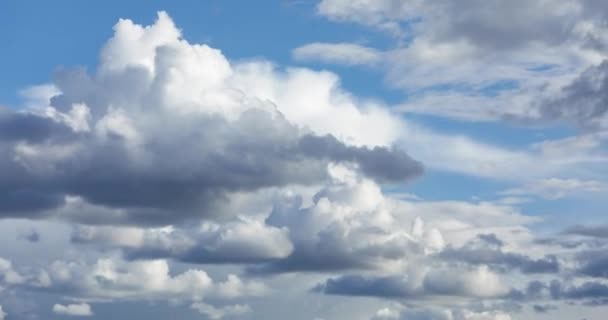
320,159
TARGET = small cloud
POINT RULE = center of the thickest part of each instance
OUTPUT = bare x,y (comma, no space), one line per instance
349,54
78,310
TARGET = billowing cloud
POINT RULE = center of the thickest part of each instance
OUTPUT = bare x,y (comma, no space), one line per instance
166,130
241,241
109,278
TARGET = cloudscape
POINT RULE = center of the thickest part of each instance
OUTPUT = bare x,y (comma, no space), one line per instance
304,160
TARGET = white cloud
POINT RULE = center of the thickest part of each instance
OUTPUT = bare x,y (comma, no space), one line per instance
338,53
555,188
215,313
77,310
8,275
113,278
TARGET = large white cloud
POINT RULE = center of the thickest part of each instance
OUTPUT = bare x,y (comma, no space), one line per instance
167,130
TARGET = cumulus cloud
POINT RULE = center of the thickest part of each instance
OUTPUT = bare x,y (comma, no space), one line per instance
347,226
78,310
239,241
110,278
106,141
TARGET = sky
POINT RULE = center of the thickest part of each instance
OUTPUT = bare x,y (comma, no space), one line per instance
304,159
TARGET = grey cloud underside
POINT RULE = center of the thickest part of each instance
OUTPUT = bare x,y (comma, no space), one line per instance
187,166
593,263
587,292
584,101
396,287
487,249
354,285
503,261
589,231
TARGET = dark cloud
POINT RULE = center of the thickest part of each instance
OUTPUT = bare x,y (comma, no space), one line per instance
584,101
379,163
593,263
586,292
495,257
354,285
491,239
187,169
434,283
589,231
28,127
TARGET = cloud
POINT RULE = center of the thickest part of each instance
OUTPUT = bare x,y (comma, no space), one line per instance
240,241
2,314
493,255
544,308
215,313
348,225
480,283
77,310
439,314
593,263
536,63
112,278
105,142
582,102
337,53
555,188
589,231
8,274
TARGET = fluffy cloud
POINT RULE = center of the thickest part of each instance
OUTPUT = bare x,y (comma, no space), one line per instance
109,278
167,130
215,313
240,241
79,310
